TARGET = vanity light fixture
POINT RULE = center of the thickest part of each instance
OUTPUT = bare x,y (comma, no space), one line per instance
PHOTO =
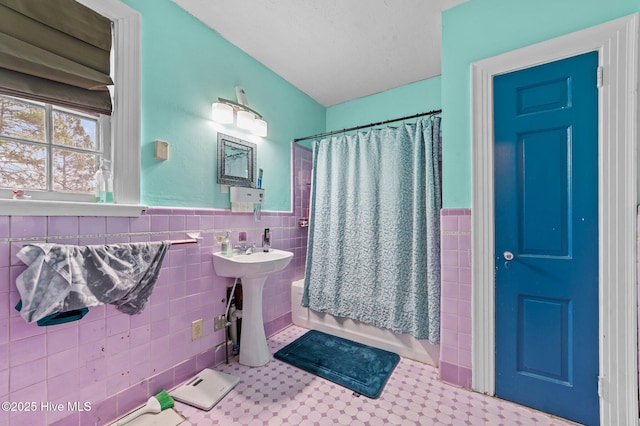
246,118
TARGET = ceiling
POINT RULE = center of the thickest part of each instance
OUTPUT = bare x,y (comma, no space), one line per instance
333,50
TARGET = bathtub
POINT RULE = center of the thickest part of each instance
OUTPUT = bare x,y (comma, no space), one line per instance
402,344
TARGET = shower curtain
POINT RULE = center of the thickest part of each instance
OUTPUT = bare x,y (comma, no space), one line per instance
374,237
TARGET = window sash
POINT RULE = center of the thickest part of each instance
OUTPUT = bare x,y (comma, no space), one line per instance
52,148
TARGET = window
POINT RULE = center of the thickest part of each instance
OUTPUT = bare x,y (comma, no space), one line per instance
48,149
123,132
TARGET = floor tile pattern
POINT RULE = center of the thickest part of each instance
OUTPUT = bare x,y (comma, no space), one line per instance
279,394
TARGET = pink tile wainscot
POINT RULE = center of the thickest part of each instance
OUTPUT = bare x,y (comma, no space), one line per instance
113,361
455,335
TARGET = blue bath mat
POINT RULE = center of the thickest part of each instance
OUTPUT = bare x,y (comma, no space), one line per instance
361,368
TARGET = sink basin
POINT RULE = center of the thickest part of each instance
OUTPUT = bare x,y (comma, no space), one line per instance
253,270
251,265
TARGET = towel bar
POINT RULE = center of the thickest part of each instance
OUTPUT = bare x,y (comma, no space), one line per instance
194,238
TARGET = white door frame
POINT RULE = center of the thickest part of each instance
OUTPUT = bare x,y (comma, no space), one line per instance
617,44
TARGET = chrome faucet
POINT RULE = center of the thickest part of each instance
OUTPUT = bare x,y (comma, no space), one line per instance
244,248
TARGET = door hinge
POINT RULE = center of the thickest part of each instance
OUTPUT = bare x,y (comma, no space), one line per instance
600,77
600,386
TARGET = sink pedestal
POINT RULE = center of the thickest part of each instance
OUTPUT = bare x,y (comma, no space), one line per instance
253,269
254,351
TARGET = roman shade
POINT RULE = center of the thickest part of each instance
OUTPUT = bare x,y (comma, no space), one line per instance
55,51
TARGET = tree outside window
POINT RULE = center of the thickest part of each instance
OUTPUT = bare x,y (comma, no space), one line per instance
46,148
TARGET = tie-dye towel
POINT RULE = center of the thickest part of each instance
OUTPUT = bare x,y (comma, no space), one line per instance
61,278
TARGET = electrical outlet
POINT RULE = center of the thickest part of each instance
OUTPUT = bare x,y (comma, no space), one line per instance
196,329
218,323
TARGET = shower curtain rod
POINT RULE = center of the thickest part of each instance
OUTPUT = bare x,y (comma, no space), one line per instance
335,132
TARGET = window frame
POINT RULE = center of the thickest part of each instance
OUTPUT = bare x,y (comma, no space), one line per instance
124,128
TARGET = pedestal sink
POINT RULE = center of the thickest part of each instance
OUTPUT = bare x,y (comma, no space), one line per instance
253,270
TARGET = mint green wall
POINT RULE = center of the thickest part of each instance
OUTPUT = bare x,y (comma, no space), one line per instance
480,29
409,99
185,67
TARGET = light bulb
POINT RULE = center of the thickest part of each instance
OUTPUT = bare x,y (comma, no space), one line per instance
259,127
245,119
222,113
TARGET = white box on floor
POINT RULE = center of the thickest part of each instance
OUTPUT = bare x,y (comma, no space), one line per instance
206,389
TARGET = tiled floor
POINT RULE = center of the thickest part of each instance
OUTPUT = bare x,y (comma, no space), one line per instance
279,394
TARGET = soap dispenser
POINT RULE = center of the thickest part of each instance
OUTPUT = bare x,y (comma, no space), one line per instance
100,194
226,247
108,181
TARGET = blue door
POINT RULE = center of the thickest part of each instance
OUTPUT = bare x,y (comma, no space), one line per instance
546,237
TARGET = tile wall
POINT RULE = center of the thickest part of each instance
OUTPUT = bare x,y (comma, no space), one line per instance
112,361
455,337
302,190
302,158
455,333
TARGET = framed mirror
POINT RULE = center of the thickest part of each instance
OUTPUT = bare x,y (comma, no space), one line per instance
236,161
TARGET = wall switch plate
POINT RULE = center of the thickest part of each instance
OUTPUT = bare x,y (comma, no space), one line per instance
218,323
162,150
196,329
